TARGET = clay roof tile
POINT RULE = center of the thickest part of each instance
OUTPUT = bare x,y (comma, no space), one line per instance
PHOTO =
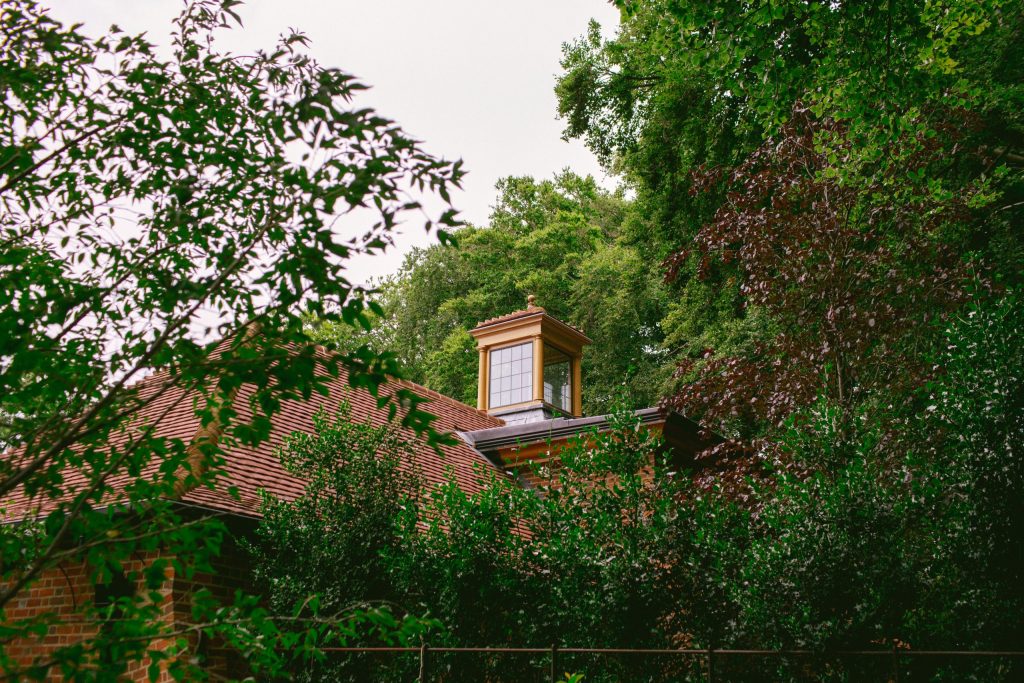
250,469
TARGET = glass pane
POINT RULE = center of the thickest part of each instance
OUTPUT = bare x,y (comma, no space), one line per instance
557,378
511,375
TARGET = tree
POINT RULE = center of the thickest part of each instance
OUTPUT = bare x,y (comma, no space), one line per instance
561,240
970,438
853,278
335,544
148,208
906,106
925,553
613,547
834,189
581,558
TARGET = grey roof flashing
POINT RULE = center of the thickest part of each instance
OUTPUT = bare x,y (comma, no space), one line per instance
537,432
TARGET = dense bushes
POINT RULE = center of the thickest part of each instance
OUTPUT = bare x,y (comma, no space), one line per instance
856,552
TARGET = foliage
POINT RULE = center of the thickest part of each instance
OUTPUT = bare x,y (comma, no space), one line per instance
562,240
835,189
147,206
503,566
758,59
584,557
333,545
973,432
852,276
921,553
906,115
614,547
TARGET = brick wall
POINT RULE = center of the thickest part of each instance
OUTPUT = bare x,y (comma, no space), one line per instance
230,573
66,590
60,591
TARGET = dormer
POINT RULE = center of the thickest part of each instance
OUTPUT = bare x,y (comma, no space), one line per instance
529,366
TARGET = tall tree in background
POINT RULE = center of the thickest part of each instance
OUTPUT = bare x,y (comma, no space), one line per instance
907,117
836,190
853,276
147,207
562,240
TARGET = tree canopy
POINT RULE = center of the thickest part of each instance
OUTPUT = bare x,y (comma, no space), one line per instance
783,152
175,213
565,241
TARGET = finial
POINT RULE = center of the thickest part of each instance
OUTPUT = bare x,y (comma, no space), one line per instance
531,301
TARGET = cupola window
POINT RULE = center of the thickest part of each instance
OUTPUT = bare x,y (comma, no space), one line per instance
557,378
511,375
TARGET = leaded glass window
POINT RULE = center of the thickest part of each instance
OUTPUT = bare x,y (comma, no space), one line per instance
557,378
511,375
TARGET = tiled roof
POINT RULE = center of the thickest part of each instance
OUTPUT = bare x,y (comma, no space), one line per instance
527,312
250,469
514,315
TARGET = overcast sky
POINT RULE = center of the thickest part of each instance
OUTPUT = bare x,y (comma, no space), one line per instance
473,79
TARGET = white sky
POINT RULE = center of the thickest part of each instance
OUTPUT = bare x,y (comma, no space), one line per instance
472,79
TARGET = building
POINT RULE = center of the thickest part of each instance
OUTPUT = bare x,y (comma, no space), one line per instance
529,402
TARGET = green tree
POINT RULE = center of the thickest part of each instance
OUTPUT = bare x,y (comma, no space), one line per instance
561,240
613,547
911,105
925,553
581,558
827,182
337,545
972,478
148,207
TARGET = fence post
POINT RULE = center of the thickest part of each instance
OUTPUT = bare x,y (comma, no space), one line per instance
554,663
895,665
424,658
711,665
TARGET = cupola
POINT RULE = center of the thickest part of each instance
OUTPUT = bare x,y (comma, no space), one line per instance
529,366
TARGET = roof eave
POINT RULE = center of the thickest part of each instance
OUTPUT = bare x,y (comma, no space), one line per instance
495,438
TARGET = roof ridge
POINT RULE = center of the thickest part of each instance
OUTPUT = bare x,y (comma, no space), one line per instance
521,313
531,310
142,382
444,397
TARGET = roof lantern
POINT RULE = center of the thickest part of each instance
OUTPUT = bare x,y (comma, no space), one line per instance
529,366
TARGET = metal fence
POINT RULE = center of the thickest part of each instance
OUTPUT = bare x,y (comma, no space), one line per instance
711,661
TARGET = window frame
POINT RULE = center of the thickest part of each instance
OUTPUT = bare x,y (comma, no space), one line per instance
524,391
570,383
